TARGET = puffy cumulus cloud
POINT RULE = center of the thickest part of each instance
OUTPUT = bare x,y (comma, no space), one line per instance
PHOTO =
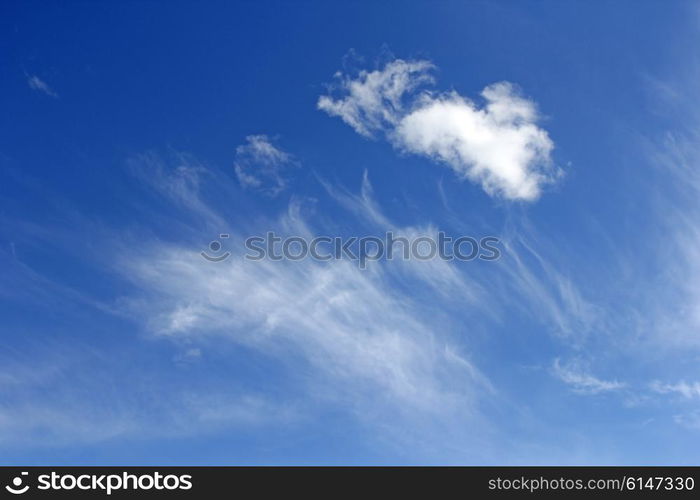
260,165
498,145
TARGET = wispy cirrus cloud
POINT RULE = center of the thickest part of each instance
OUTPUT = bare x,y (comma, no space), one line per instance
497,145
682,388
40,85
444,277
347,324
353,328
580,380
675,305
260,165
176,177
69,418
53,405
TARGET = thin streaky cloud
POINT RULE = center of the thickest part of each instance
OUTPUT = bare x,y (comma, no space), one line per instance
40,85
260,165
682,388
581,381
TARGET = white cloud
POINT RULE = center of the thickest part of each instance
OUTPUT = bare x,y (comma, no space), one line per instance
37,83
346,323
259,165
353,328
176,177
374,99
690,420
359,341
540,288
441,275
498,145
53,405
574,375
71,419
526,278
674,303
688,391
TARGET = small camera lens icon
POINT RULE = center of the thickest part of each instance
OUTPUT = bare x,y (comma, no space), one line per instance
16,488
215,247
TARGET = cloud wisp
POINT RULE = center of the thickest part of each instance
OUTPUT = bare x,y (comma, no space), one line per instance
40,85
365,338
497,145
683,388
53,407
260,165
574,375
347,324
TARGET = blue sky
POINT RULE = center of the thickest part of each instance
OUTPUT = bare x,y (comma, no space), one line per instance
133,134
